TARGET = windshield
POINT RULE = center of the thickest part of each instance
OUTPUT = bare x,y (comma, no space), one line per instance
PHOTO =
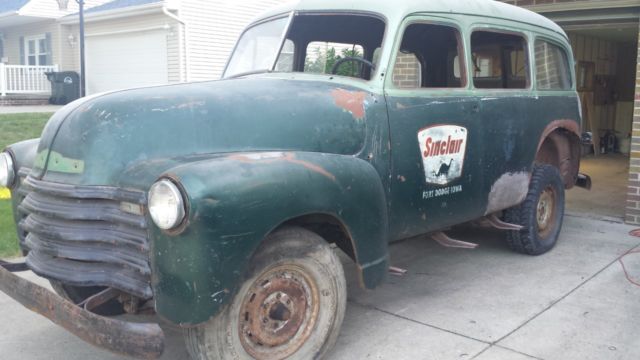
257,48
339,44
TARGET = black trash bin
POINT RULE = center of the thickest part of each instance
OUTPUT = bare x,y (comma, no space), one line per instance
65,87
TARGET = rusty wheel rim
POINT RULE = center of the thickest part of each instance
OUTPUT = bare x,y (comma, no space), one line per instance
278,313
545,212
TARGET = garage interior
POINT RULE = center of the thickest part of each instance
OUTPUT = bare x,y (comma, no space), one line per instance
605,46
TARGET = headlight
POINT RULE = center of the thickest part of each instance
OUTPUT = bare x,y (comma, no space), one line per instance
7,172
166,205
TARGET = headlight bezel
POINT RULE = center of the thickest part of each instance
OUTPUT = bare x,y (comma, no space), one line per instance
182,206
6,159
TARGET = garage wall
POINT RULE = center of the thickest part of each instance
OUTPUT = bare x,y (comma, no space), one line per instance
604,54
214,27
633,194
132,25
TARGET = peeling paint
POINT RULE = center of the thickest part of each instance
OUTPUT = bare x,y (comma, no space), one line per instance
509,190
351,101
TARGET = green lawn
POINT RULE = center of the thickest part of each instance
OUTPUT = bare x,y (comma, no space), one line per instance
14,128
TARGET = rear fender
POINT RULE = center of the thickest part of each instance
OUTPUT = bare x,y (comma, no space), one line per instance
235,201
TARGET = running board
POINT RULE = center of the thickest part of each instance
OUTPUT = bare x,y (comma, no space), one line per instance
446,241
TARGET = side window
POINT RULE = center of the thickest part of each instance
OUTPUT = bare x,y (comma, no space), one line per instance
285,59
322,56
429,57
552,67
500,61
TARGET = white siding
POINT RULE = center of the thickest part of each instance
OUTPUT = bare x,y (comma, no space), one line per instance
214,26
132,24
12,39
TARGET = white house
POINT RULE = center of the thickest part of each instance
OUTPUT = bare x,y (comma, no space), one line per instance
129,43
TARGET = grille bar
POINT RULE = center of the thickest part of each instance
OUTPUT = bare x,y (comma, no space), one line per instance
79,235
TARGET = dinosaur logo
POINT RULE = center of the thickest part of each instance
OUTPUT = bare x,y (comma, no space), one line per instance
443,149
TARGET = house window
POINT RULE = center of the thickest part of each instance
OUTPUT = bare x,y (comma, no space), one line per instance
36,50
499,61
429,57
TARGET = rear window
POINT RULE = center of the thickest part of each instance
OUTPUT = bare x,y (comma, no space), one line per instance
552,67
322,57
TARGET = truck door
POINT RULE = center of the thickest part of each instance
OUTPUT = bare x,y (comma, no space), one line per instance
436,141
501,81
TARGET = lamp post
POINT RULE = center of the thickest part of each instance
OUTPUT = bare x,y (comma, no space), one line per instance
63,7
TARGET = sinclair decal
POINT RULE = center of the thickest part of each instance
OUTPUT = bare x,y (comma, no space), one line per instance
443,149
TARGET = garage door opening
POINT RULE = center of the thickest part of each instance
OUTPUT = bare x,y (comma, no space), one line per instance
606,59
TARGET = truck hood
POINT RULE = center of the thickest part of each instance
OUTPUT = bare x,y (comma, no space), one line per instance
129,137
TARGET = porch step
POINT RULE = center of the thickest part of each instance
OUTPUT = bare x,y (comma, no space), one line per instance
24,100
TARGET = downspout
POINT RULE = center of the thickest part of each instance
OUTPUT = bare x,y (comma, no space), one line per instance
185,39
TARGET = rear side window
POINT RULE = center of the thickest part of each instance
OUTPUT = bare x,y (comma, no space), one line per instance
552,67
500,61
429,57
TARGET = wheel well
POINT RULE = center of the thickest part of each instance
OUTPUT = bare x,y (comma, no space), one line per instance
329,227
561,148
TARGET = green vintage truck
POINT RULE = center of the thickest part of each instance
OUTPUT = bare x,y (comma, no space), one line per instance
337,124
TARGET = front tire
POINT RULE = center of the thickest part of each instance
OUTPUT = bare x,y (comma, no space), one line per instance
291,304
540,214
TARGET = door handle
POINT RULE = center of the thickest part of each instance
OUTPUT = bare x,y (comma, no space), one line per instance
475,108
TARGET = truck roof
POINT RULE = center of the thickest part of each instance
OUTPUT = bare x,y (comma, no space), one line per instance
397,10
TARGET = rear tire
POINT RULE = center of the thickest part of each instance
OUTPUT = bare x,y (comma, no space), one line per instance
540,214
291,304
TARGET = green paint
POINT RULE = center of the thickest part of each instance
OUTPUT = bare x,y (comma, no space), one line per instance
41,159
59,163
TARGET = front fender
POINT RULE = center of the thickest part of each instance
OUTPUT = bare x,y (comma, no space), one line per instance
235,201
24,154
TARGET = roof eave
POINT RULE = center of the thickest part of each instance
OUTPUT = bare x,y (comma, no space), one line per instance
582,5
114,13
8,14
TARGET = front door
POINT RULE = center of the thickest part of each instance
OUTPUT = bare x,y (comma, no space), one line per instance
436,140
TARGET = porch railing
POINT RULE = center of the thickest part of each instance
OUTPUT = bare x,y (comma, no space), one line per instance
25,79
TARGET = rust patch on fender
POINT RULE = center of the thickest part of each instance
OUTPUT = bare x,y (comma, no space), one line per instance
271,157
351,101
569,125
509,190
561,151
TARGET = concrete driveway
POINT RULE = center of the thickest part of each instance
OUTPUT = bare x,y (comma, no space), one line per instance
29,109
488,303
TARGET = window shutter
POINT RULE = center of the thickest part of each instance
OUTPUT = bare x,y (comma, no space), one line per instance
22,60
49,49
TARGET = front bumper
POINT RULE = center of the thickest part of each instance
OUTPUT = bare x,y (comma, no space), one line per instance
131,339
